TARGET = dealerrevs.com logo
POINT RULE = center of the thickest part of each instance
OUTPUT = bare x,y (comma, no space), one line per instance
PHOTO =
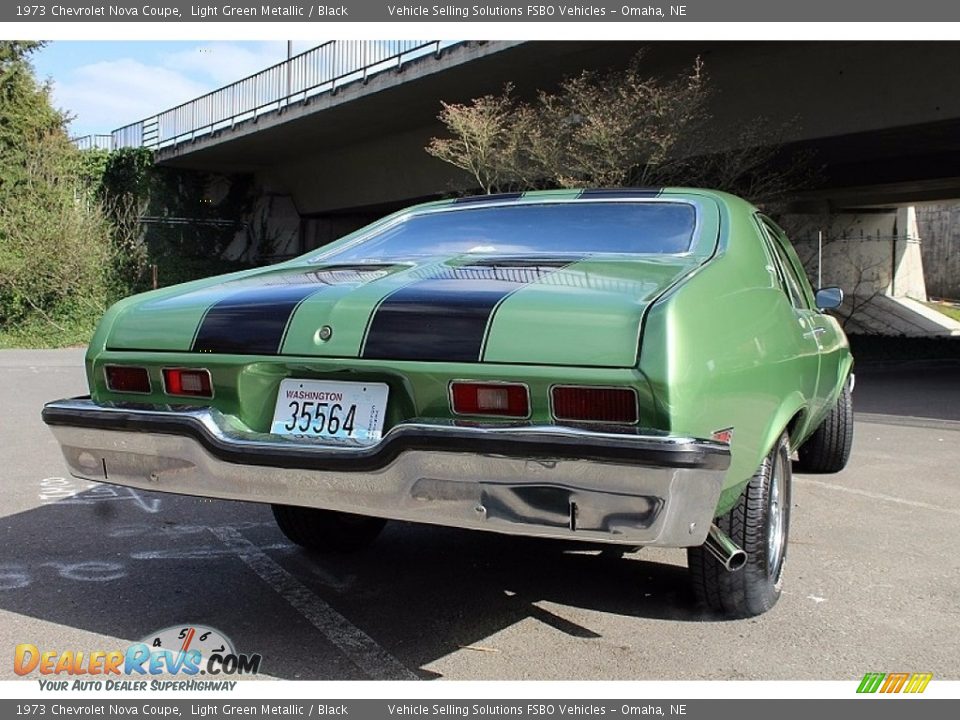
180,650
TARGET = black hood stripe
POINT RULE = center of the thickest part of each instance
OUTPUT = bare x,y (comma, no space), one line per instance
445,316
251,322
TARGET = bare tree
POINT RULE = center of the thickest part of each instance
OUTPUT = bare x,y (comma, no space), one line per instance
753,163
609,129
614,129
484,139
867,286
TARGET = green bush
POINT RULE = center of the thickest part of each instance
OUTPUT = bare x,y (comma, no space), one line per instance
55,250
56,254
73,236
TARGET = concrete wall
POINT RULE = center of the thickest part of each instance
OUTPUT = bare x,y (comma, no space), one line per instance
940,230
864,253
391,168
875,256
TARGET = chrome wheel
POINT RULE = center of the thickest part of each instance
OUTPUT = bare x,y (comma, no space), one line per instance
779,498
759,523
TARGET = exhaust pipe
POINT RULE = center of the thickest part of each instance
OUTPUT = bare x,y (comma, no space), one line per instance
730,555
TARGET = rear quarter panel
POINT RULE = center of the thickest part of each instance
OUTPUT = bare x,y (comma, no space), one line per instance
720,351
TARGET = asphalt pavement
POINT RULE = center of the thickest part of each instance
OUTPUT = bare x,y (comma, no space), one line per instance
872,579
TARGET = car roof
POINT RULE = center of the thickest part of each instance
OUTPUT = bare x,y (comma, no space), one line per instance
533,196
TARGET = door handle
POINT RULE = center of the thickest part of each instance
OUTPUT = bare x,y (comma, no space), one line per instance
815,332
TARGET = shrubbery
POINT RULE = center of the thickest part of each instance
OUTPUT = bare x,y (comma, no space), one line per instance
81,229
56,250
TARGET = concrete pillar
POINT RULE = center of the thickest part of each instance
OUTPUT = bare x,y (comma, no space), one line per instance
907,277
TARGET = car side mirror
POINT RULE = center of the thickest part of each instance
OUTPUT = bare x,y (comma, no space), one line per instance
829,298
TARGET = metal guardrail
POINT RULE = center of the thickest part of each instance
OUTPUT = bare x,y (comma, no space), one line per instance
93,142
319,70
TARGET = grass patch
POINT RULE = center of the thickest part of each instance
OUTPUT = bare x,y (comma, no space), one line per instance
40,334
951,310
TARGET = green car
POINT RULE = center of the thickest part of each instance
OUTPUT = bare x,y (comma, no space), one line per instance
633,367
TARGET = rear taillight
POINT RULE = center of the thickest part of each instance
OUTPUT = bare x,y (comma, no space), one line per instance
506,399
594,404
191,383
126,379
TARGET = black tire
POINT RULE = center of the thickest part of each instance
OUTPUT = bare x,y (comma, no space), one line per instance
755,588
827,450
326,530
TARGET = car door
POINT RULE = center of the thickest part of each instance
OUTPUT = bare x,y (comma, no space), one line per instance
806,332
827,331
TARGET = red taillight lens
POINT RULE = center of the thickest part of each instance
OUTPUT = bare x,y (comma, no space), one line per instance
192,383
124,379
507,399
593,404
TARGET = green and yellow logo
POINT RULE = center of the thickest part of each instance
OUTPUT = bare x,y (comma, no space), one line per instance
894,682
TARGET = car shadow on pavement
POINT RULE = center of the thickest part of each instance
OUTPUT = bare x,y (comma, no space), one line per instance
126,564
925,391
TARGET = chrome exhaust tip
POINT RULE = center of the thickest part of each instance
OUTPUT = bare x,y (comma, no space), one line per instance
730,555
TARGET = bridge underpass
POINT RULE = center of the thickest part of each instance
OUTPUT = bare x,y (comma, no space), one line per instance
882,119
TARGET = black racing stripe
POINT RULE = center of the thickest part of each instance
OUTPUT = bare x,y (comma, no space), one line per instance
435,319
252,321
600,193
444,317
500,197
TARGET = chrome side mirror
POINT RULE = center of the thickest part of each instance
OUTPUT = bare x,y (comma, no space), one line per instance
829,298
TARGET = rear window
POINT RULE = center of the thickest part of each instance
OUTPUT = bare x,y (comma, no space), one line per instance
548,229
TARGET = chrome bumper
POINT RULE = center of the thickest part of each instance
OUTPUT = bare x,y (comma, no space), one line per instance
546,481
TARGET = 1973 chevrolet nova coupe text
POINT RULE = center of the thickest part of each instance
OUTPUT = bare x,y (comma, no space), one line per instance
622,366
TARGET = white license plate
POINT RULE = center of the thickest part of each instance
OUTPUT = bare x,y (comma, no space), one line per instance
328,409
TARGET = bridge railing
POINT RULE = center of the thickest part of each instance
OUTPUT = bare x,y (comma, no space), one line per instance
93,142
318,70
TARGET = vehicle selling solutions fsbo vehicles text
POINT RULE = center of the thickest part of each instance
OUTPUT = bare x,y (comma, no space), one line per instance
535,11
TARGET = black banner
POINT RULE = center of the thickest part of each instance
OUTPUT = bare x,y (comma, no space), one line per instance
615,11
449,709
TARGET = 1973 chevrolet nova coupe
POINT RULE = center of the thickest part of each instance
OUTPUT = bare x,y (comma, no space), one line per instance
632,367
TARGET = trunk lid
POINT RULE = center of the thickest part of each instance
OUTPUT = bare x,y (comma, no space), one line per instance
578,311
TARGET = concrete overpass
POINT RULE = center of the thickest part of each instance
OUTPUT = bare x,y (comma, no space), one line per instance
883,118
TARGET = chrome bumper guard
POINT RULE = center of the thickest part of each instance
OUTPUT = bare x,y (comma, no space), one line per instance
596,485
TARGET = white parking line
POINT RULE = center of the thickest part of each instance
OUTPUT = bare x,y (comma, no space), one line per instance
877,496
353,642
210,553
198,553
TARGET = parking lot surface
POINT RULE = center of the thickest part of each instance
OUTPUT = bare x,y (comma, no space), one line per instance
872,579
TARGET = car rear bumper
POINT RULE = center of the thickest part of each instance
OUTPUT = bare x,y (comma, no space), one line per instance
547,481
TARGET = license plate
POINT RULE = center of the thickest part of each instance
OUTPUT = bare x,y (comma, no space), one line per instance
328,409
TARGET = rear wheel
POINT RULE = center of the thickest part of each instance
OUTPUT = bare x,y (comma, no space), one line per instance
759,523
326,530
828,449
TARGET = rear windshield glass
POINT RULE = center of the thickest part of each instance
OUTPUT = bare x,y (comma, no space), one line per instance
549,229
